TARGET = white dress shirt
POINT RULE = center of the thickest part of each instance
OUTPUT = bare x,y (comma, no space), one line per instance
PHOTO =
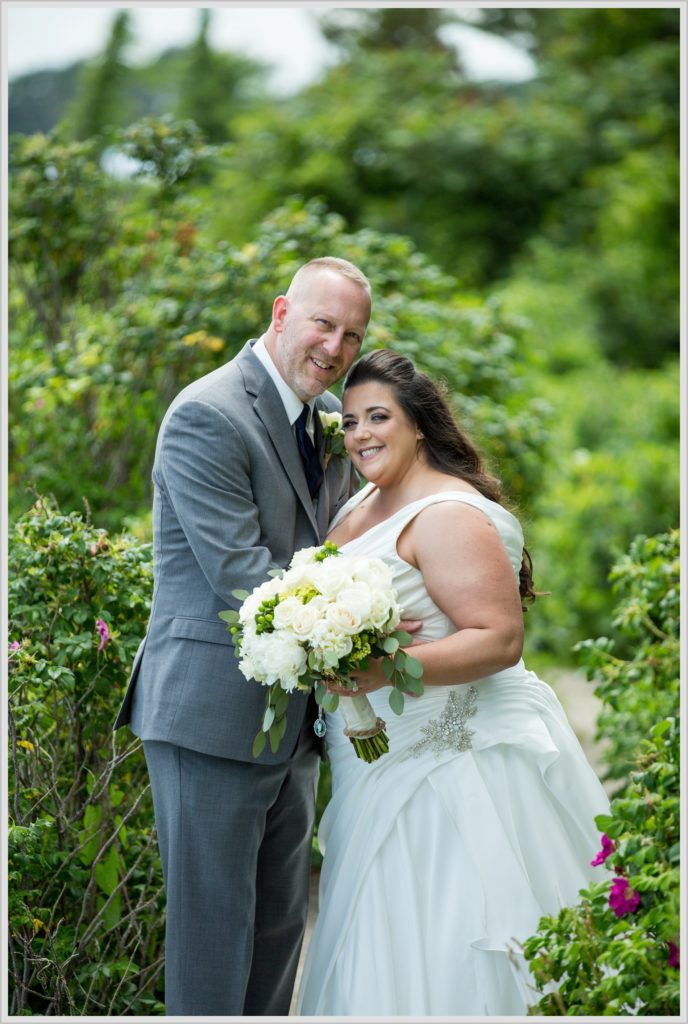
291,401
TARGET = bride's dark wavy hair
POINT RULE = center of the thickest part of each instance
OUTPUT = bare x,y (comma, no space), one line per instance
446,446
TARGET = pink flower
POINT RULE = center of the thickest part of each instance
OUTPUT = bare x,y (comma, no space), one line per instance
673,958
39,403
101,627
15,645
620,900
607,849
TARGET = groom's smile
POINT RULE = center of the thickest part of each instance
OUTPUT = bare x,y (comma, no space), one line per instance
318,332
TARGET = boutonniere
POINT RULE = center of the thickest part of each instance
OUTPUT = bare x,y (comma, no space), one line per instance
334,435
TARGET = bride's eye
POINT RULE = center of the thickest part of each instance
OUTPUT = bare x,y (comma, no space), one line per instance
347,424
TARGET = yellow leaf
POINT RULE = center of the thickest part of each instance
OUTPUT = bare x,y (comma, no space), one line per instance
25,743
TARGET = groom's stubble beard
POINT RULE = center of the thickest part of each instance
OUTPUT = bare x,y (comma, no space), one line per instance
297,369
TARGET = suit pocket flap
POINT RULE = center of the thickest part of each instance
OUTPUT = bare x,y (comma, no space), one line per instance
201,629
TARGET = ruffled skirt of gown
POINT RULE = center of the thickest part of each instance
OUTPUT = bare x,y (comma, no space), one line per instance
441,857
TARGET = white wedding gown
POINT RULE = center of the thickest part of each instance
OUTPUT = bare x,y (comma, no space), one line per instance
441,857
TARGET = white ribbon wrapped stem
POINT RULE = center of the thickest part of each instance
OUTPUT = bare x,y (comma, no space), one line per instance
361,720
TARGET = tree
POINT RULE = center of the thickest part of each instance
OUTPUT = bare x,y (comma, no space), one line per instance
214,86
387,29
101,104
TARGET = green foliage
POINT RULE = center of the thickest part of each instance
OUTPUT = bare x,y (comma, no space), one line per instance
165,304
585,156
85,887
603,961
168,150
642,688
618,474
60,222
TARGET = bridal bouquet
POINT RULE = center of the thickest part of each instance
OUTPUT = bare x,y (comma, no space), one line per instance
314,624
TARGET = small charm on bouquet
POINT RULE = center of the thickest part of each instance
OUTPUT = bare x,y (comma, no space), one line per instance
320,725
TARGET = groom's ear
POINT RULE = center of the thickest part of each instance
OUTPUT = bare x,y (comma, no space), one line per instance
279,312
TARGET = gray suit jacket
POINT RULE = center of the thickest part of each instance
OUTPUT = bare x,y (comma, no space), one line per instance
230,503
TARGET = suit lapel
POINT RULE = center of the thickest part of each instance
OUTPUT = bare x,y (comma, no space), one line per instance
323,507
270,410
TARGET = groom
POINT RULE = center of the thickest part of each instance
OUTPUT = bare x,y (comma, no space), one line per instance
239,486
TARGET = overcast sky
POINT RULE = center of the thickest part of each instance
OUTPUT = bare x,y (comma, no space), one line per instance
53,36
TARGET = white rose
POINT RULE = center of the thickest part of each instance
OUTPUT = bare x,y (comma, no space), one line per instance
372,571
331,419
325,639
343,619
285,611
305,556
330,575
381,610
303,621
358,598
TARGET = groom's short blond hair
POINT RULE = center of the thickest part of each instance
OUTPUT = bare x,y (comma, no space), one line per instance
339,266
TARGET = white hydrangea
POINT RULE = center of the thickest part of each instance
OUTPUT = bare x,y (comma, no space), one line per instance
273,657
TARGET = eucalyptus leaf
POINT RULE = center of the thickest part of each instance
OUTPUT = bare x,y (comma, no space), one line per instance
396,701
390,644
281,702
259,744
413,667
229,616
388,667
403,637
240,594
413,685
330,701
275,737
268,718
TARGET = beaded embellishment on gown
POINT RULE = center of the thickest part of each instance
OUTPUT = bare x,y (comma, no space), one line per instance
440,857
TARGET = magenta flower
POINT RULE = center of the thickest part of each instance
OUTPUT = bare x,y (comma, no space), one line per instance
15,645
673,958
620,900
101,627
607,849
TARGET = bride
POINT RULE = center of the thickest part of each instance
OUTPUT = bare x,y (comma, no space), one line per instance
440,857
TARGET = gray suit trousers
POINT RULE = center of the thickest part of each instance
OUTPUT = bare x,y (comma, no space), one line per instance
217,819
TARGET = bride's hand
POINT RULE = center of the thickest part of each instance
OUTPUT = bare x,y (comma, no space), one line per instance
367,680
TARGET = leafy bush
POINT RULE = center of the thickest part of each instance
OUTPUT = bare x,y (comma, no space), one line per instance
85,886
174,304
617,475
617,950
639,691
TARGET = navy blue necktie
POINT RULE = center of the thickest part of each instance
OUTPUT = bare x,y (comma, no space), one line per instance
309,457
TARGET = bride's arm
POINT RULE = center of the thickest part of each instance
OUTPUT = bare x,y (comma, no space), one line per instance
468,575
